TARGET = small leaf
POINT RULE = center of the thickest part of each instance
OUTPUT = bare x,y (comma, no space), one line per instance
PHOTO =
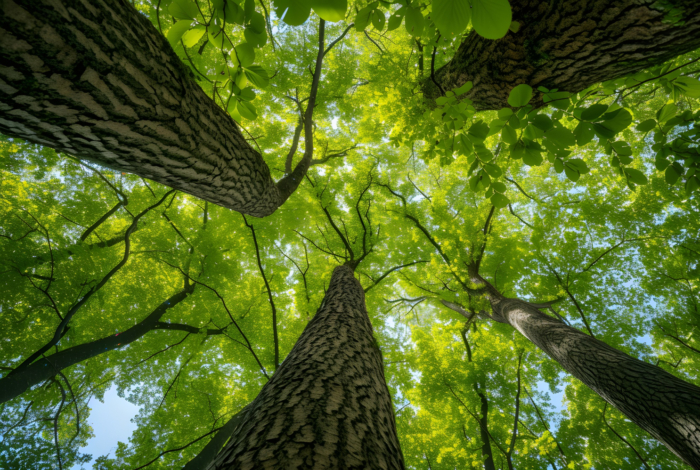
671,175
396,18
667,112
617,120
636,176
514,26
584,133
378,19
192,37
520,95
414,22
690,86
622,149
499,200
493,169
542,121
561,137
330,10
508,135
491,18
183,9
498,186
243,54
295,12
257,76
571,173
594,112
646,126
177,30
247,110
451,16
463,89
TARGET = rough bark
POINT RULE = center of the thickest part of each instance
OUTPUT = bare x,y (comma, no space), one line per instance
19,380
98,81
661,404
570,45
328,405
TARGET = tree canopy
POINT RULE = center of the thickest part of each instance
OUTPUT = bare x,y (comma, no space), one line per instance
180,260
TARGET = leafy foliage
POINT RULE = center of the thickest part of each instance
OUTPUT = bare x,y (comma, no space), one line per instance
591,200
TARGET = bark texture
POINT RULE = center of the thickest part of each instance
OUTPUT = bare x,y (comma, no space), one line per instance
661,404
328,405
96,79
570,45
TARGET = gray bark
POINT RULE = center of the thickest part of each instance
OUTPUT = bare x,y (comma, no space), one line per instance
98,81
663,405
570,45
328,405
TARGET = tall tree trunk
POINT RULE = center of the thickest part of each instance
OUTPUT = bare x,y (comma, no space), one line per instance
328,405
20,379
480,389
570,45
98,81
661,404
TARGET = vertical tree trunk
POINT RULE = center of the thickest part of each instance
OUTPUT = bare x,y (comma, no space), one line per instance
480,389
97,80
661,404
328,405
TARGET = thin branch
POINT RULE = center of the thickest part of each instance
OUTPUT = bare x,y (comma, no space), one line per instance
646,465
269,294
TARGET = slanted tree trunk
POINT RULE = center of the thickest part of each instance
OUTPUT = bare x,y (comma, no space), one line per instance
661,404
21,379
570,45
96,79
328,405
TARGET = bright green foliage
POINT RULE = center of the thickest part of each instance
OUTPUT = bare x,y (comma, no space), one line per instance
594,199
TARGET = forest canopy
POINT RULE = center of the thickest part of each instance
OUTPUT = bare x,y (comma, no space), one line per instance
328,233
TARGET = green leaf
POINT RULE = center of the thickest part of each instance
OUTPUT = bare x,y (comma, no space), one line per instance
451,16
396,18
622,149
594,112
532,157
493,169
667,112
257,75
478,131
691,185
499,200
177,30
542,121
192,37
378,19
603,131
617,120
584,133
255,38
498,186
249,8
509,135
520,95
579,165
330,10
514,26
364,16
558,165
232,13
247,110
689,85
463,89
491,18
297,11
183,9
561,137
571,173
636,176
672,175
247,94
504,113
414,22
646,126
243,54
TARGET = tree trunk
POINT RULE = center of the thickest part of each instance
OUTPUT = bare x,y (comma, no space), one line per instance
20,379
661,404
570,45
328,405
98,81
